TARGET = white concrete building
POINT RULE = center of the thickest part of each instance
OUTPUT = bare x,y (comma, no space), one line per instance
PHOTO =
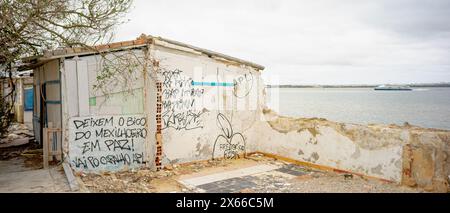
145,102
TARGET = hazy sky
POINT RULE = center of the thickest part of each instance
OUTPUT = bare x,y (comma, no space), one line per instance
311,41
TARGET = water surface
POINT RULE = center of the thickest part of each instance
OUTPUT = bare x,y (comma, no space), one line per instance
426,107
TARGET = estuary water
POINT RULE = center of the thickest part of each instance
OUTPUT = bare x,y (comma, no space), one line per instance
425,107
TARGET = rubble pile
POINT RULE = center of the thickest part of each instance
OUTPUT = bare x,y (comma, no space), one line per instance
288,178
16,141
129,181
145,180
19,133
118,182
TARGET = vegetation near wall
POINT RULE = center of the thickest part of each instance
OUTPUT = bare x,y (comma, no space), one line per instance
27,28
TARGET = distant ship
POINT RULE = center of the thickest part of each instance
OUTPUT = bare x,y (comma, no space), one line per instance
394,88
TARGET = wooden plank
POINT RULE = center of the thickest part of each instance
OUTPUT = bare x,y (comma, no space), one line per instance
83,90
58,153
73,183
50,141
45,147
59,138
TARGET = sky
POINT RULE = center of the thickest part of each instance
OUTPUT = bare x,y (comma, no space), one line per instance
311,41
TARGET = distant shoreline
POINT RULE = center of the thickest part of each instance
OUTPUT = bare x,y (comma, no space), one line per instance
357,86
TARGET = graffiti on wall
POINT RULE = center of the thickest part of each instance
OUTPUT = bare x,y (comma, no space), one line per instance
243,84
179,101
107,143
228,142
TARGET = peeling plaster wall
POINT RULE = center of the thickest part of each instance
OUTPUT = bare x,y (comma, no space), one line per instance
317,142
426,160
411,155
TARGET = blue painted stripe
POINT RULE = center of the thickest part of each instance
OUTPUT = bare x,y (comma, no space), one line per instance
222,84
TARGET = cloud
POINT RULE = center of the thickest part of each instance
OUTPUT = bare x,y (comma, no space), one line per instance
415,18
317,41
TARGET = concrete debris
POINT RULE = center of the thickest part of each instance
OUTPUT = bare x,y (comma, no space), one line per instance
12,136
17,126
259,157
168,167
25,132
26,151
15,142
18,134
145,180
288,178
127,181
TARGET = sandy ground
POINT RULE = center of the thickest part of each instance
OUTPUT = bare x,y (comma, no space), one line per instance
16,176
234,176
21,171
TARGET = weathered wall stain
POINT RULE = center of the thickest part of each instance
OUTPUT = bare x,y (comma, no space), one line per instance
312,140
367,136
377,170
202,150
426,166
314,156
243,84
357,153
424,161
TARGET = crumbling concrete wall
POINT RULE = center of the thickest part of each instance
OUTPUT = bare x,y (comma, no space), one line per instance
426,161
404,154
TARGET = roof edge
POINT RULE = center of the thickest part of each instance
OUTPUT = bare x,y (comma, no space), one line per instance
209,53
141,41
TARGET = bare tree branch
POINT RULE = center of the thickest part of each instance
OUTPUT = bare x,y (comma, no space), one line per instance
28,27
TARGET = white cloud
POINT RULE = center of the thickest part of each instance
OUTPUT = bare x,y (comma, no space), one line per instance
321,41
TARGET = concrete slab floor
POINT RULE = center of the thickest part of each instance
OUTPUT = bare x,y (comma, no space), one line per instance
16,177
254,174
290,178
